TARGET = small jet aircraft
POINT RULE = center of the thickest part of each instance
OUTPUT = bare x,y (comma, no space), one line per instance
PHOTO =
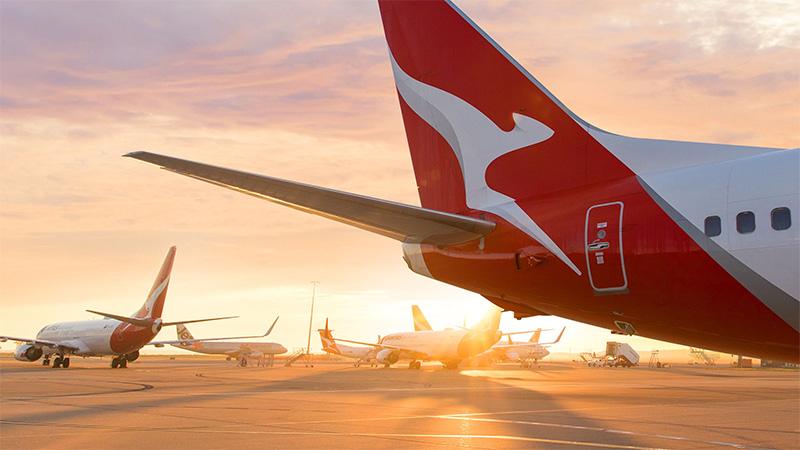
524,352
118,336
449,346
361,354
542,213
224,346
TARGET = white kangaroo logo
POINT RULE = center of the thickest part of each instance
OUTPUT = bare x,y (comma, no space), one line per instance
477,141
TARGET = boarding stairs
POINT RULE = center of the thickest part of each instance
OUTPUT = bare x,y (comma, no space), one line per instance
300,353
654,362
701,356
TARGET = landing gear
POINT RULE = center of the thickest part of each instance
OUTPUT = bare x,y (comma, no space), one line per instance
65,363
451,365
46,360
119,361
57,362
414,365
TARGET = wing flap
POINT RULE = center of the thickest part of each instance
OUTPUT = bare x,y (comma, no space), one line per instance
398,221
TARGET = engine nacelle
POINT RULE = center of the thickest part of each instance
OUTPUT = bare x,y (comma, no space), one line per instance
156,328
132,356
387,356
27,352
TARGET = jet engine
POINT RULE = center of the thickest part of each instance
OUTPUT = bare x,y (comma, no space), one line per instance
27,352
387,356
156,328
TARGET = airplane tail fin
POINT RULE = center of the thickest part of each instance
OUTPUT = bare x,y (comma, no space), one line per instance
490,321
535,337
483,335
482,132
153,306
420,322
183,332
328,343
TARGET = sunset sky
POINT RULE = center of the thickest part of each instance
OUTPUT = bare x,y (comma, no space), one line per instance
304,91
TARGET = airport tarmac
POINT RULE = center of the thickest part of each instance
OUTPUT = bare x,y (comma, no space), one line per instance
212,404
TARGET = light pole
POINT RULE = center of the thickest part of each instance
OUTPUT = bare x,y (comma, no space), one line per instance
311,319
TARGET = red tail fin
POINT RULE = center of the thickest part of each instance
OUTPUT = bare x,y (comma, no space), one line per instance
451,78
484,135
158,293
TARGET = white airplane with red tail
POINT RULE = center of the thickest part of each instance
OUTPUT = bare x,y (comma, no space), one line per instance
117,336
542,213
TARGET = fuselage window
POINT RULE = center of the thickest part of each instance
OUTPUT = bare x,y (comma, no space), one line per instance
781,219
745,222
713,226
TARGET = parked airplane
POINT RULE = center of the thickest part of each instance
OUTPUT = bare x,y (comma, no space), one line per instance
448,346
542,213
523,352
224,346
360,354
117,336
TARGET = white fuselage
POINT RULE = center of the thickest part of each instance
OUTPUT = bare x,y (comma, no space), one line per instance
522,351
350,351
91,337
437,345
236,349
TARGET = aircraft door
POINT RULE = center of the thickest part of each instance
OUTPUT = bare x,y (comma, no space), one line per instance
604,259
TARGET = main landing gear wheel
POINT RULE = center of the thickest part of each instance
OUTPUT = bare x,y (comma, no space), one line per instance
414,365
65,363
119,361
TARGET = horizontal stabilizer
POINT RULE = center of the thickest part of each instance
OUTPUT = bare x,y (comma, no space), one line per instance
148,323
191,340
131,320
398,221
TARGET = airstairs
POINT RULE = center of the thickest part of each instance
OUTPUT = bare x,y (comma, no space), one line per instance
654,362
701,356
297,355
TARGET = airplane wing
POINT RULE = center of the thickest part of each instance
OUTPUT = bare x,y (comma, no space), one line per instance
527,344
398,221
39,342
189,341
525,332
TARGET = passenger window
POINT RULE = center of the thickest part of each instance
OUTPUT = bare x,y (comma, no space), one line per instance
745,222
781,219
713,226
